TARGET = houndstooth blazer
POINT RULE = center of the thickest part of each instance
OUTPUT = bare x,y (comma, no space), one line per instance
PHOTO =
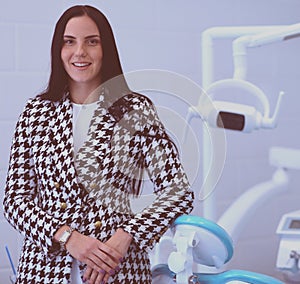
47,186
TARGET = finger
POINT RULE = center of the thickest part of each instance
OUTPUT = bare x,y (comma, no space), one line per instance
110,251
100,265
87,273
93,277
103,258
106,277
100,278
110,274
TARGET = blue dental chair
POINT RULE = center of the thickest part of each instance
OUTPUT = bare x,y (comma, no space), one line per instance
198,240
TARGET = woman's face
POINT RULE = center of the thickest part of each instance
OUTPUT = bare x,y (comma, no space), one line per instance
82,53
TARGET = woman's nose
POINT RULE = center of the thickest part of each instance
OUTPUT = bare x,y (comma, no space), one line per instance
80,50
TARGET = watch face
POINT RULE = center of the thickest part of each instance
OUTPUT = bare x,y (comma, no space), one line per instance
63,239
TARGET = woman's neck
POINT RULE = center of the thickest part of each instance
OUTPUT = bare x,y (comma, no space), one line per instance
84,93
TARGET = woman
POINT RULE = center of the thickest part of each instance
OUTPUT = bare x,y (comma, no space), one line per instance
79,151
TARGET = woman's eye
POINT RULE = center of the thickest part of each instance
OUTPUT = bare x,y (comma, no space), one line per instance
68,42
93,41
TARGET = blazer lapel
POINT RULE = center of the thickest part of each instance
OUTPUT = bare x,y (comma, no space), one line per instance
61,137
103,124
101,131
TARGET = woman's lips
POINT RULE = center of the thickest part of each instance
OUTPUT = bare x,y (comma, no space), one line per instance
81,64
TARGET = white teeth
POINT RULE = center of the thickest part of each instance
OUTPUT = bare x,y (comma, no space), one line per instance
79,64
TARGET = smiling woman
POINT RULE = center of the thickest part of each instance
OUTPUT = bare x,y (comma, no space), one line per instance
82,57
78,155
95,24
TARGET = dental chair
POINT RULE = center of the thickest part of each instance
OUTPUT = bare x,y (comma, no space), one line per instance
199,241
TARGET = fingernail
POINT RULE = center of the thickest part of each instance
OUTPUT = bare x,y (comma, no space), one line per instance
121,259
117,269
102,271
111,272
83,278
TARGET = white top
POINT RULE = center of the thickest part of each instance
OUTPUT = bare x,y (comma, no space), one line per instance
82,115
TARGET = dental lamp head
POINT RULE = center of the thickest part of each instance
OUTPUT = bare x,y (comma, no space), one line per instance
235,116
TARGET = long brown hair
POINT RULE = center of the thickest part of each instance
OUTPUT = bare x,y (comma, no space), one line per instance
111,66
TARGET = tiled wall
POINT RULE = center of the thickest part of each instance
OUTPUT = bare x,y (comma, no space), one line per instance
24,65
167,35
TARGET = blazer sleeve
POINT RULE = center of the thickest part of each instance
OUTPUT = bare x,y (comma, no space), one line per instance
21,192
171,186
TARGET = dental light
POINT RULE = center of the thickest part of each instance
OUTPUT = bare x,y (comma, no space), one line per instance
243,37
235,116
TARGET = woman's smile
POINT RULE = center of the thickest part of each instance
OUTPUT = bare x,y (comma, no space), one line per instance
81,66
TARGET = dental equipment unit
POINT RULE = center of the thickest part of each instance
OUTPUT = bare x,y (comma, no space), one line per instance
289,248
235,116
289,230
238,116
197,240
206,244
226,114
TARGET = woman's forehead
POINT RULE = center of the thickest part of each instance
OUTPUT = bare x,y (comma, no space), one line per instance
81,26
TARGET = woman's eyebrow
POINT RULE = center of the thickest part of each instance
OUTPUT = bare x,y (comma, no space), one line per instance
87,37
68,36
91,36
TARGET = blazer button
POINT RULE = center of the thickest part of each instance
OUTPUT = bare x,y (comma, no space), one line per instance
56,185
98,224
63,205
93,185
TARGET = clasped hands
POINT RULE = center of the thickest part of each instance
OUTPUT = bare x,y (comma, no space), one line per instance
102,259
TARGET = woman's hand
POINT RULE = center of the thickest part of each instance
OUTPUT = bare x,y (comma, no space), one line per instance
92,252
99,257
120,241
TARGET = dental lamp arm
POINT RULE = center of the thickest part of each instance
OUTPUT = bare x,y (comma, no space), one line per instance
192,113
272,121
242,43
238,214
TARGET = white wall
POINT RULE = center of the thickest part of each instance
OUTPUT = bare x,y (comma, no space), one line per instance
167,35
